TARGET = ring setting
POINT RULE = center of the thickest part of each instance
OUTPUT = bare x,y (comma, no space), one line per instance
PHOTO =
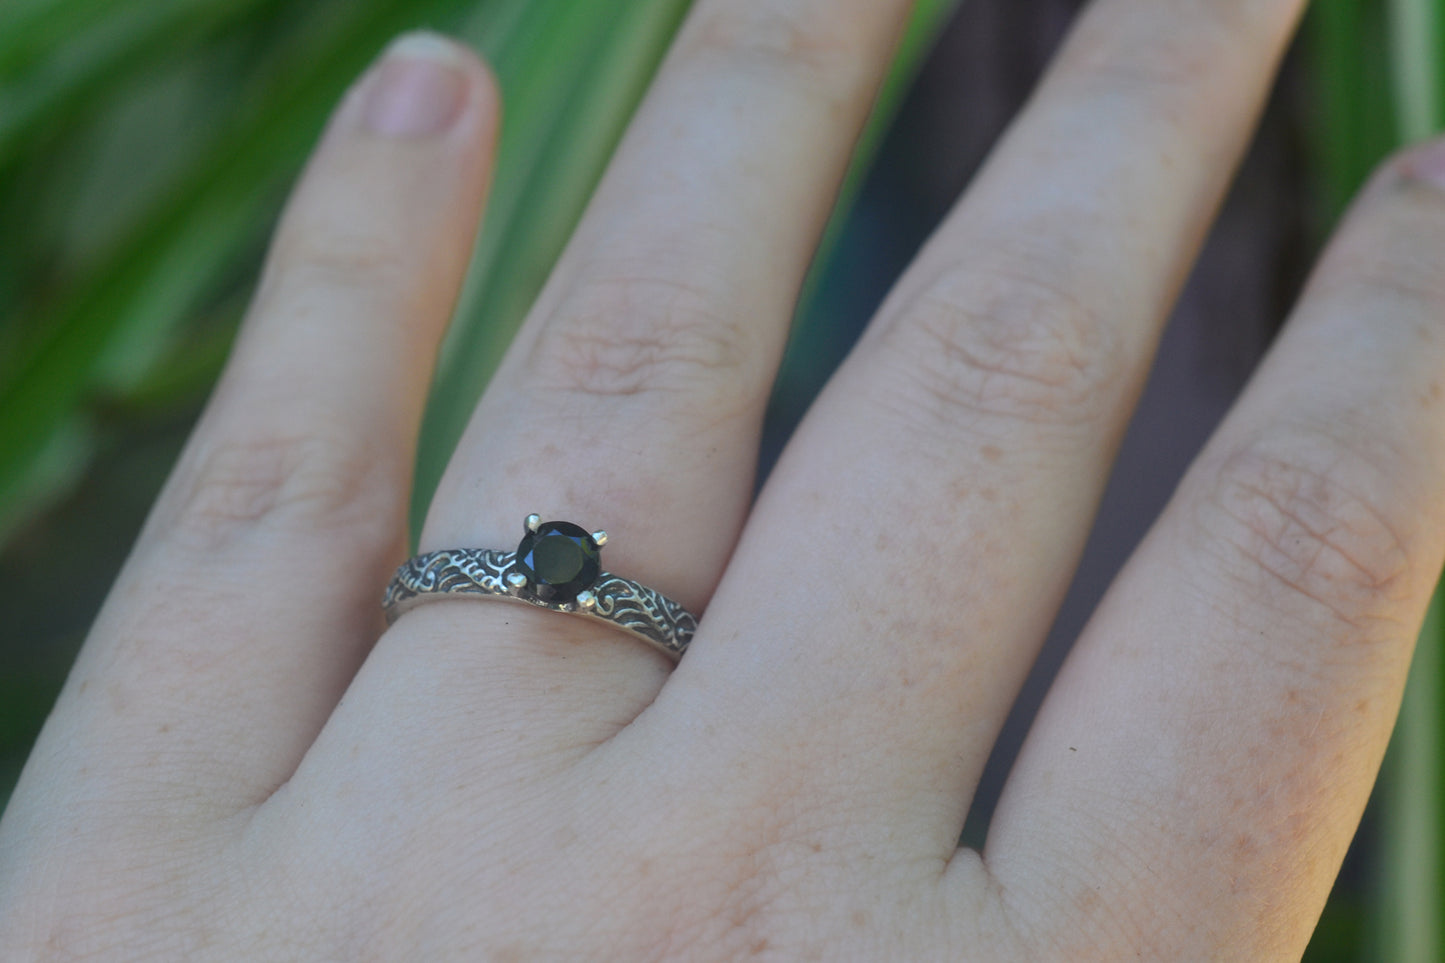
557,562
557,565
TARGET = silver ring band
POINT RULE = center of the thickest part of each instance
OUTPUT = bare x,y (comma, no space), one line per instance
489,573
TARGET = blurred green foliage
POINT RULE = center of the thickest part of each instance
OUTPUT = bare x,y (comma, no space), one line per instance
146,147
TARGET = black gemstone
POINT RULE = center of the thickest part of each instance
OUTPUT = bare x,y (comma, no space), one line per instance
560,560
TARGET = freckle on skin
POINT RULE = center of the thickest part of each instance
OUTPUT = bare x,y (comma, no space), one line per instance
860,918
991,452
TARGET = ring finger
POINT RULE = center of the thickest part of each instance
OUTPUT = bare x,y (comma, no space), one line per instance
632,398
944,483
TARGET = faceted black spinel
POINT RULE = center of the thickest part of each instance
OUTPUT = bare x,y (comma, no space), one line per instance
560,560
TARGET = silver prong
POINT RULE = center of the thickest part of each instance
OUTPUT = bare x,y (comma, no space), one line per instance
533,523
600,538
516,581
586,601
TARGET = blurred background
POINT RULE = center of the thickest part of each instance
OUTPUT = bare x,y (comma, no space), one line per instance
146,146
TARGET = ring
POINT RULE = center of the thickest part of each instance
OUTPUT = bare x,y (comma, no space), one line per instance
557,566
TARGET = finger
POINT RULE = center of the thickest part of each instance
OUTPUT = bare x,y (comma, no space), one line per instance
251,597
907,557
632,398
1211,744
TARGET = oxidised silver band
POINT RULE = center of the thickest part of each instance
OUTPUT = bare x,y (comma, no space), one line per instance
483,573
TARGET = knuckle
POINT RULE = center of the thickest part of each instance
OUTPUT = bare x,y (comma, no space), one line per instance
312,258
1003,347
1309,526
641,335
310,480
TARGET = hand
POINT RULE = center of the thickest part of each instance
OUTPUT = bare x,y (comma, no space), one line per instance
235,771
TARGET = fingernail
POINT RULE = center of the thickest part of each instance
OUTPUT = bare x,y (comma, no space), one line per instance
418,89
1428,164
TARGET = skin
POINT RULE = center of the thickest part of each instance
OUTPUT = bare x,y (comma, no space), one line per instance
243,765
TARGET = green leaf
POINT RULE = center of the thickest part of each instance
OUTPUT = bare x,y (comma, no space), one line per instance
57,58
59,464
210,219
1351,126
1415,44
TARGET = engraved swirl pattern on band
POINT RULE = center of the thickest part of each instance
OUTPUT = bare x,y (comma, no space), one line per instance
482,572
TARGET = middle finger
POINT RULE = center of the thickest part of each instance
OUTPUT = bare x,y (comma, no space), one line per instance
909,552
